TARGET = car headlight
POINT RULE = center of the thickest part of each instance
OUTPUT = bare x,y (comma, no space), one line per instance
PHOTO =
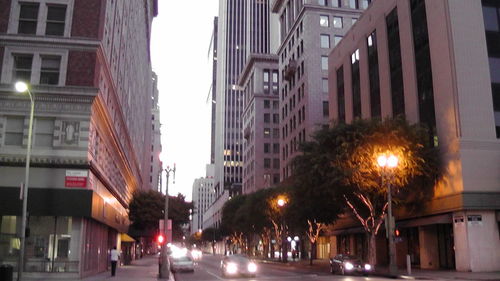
368,267
231,268
349,266
252,267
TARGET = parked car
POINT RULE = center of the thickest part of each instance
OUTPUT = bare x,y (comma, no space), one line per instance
181,263
345,264
238,265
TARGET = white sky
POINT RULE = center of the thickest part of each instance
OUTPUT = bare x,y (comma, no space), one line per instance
180,41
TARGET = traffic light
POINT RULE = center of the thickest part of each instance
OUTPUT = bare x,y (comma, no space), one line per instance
397,232
160,239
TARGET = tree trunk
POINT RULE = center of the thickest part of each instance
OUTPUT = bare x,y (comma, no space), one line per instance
312,251
372,253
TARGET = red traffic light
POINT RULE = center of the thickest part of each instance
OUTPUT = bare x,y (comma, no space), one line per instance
397,233
160,239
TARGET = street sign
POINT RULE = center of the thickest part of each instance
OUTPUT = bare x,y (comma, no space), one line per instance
76,178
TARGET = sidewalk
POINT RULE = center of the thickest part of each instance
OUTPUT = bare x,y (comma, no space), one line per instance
323,265
145,269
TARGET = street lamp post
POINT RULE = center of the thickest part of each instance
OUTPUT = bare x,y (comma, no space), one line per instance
22,87
387,163
165,267
281,203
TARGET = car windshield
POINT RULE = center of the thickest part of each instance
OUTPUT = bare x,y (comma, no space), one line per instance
183,258
238,258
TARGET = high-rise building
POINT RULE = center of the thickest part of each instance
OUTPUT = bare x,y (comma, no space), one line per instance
156,148
89,70
437,63
309,29
261,150
231,56
203,196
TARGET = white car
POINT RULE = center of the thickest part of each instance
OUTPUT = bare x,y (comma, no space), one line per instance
181,263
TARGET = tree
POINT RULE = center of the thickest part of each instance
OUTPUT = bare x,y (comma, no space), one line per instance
316,199
344,157
146,208
231,222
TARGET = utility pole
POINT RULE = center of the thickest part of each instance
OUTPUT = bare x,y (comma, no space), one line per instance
165,266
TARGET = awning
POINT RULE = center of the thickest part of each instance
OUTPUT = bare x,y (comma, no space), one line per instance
438,219
126,238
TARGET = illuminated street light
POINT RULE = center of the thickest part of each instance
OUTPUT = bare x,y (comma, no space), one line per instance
22,87
281,203
388,163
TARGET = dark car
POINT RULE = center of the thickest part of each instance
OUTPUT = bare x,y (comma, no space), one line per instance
345,264
238,265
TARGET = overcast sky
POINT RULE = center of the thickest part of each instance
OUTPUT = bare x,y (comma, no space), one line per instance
180,42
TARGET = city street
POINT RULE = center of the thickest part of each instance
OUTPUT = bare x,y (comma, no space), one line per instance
208,269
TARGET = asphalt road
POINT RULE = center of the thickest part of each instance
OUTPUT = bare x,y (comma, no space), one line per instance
208,270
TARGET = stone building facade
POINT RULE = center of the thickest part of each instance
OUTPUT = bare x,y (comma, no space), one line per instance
437,63
88,66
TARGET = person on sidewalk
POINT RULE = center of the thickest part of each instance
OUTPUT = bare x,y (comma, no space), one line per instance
115,256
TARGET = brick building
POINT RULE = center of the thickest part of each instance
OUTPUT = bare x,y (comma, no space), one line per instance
88,64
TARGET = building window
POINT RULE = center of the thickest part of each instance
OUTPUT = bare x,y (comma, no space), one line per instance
28,16
276,104
267,117
56,16
395,64
324,84
44,132
325,41
22,67
326,111
323,2
373,75
14,130
276,133
337,3
423,66
324,62
356,87
266,81
337,22
267,162
267,147
276,118
49,72
276,148
336,39
267,132
276,163
323,21
340,94
275,82
354,4
267,103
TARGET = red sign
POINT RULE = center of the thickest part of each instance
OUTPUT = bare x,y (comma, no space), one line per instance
75,182
75,178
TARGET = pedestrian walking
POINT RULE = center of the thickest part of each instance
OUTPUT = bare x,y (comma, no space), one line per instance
115,256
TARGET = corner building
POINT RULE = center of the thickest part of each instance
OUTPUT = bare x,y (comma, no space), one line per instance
88,64
438,63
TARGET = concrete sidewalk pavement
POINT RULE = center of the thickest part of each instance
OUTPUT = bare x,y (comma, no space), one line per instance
145,269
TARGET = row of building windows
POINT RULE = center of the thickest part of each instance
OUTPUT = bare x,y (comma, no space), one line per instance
353,4
43,131
32,15
48,68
